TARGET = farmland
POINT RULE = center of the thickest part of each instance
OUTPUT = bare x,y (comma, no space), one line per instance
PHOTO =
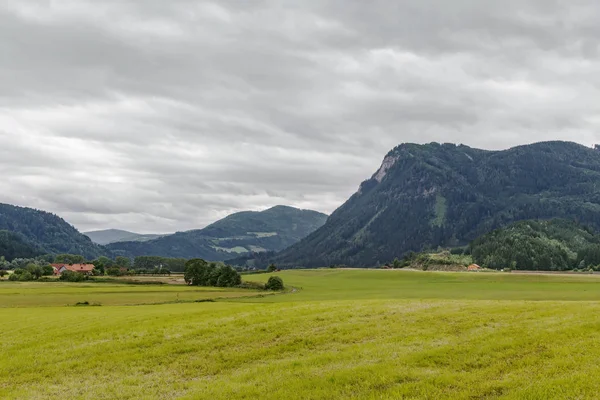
340,334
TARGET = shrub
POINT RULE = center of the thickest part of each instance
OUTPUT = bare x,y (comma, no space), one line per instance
13,277
25,277
47,270
252,285
274,283
71,276
113,271
35,270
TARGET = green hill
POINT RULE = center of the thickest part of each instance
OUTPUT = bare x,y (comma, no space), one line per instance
45,232
241,233
425,196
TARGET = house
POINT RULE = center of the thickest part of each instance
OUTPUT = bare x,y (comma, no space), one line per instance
56,268
473,267
81,268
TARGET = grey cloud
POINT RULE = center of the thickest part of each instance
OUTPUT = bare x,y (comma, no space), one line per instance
165,116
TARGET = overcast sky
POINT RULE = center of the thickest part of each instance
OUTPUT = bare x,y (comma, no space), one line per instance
157,116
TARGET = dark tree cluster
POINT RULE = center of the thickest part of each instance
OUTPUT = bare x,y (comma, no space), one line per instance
198,272
155,263
553,245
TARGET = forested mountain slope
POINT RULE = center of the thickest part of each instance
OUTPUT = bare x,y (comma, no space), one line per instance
46,232
240,233
538,245
13,245
425,196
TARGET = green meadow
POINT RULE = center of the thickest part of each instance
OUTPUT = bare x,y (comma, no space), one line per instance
335,334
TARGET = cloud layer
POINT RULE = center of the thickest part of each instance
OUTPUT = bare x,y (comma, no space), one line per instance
160,116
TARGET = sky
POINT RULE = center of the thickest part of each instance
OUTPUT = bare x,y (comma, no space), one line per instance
163,116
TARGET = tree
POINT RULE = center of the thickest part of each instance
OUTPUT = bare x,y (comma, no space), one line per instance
195,272
35,271
105,261
3,273
123,262
397,263
99,267
228,277
72,276
21,275
113,271
272,268
200,273
274,283
47,270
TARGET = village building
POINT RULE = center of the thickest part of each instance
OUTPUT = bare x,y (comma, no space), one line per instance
80,268
473,267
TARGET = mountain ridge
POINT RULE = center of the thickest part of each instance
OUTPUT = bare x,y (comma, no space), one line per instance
240,233
430,195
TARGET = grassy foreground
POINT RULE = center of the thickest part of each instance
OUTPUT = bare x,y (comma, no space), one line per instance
345,334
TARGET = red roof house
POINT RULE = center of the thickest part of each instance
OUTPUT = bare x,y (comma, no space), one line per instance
56,268
81,268
473,267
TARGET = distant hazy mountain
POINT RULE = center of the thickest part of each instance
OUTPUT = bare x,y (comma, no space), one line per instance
43,232
425,196
270,230
107,236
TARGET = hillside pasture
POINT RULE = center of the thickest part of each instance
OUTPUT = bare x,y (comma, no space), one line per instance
341,334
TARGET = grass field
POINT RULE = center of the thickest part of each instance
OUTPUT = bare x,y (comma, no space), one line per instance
344,334
47,294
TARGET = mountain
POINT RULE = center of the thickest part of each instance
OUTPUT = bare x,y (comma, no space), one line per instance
107,236
538,245
425,196
270,230
46,232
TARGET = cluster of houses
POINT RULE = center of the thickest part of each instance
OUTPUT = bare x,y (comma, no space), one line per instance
81,268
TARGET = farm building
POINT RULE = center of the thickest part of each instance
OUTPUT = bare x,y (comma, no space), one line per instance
473,267
81,268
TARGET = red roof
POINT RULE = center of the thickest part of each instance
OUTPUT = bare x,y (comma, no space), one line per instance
79,267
